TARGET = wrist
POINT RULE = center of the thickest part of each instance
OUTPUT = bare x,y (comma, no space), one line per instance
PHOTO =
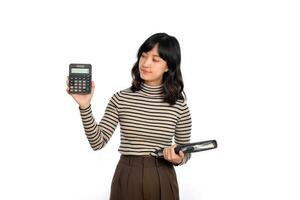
84,107
179,162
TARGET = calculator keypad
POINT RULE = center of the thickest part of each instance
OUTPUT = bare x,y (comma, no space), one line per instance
80,84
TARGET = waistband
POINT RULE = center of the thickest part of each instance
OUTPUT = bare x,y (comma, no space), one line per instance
145,161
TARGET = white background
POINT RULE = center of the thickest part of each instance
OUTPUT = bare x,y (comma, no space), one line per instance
240,64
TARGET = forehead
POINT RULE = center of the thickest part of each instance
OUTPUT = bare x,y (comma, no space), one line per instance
154,51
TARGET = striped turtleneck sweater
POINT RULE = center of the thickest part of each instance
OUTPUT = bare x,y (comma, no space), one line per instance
146,122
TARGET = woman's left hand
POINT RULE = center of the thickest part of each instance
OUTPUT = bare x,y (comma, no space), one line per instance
171,156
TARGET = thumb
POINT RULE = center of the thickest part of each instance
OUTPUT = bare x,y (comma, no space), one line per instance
181,154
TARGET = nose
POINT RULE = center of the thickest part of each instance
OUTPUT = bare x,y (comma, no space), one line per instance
147,62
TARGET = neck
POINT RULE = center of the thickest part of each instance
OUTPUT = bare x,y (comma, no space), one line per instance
152,89
153,83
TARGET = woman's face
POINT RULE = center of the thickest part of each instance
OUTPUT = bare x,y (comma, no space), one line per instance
152,67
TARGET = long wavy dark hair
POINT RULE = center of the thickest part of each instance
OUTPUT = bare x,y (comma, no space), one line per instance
169,51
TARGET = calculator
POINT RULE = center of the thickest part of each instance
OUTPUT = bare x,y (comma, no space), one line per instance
80,78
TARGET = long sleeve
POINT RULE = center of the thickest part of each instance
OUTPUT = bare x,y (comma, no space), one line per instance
99,134
183,130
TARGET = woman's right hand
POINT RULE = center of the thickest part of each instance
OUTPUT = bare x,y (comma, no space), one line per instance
83,100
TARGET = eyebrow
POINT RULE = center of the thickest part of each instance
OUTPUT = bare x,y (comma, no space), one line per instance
156,55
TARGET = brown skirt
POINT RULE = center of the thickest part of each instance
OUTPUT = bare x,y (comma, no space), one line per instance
144,178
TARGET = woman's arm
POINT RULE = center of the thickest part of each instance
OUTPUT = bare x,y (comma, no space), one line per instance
183,130
99,134
182,136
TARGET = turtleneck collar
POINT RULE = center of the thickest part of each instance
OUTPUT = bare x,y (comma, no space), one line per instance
152,90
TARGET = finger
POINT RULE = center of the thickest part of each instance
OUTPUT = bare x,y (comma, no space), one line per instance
173,147
165,153
92,87
68,90
67,82
176,156
170,154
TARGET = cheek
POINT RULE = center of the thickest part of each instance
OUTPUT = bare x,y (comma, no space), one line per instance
160,70
163,68
140,63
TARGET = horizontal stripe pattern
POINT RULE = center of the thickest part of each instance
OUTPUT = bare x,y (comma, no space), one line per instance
146,122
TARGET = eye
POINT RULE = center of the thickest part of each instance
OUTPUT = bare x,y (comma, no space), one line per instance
156,59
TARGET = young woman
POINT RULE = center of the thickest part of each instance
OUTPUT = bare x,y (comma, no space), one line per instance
151,113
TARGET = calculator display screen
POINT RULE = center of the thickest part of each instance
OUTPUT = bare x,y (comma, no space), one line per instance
79,71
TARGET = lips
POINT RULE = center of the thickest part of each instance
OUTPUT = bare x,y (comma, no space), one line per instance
145,71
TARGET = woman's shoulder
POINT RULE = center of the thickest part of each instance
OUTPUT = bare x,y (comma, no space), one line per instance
122,93
118,96
181,102
181,105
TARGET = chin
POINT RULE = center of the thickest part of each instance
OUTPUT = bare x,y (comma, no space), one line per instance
145,78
